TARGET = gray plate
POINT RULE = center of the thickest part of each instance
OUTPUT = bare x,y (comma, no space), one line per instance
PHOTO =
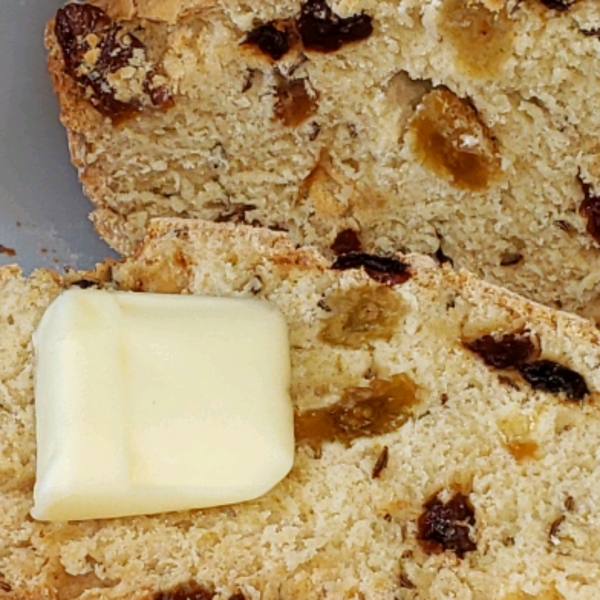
43,212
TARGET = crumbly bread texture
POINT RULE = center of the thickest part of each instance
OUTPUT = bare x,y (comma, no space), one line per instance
523,464
463,127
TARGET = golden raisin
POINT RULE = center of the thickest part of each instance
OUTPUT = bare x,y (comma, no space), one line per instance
382,407
361,315
517,430
521,450
482,39
294,102
449,139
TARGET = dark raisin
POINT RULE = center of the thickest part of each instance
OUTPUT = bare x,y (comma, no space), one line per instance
441,257
560,5
509,259
187,591
589,209
95,47
159,96
84,283
381,463
384,269
569,503
445,526
510,350
594,32
248,80
554,528
8,251
346,241
565,226
322,30
5,587
270,39
238,596
550,376
405,582
315,129
323,305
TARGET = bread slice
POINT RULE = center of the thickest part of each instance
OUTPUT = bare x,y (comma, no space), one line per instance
482,486
441,127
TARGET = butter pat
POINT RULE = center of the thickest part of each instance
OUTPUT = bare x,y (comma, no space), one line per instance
148,403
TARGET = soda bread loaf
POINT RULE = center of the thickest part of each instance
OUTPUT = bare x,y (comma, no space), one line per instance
447,439
462,128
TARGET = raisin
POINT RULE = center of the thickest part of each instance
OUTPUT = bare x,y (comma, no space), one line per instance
160,96
384,269
554,527
95,49
441,257
565,226
187,591
294,103
522,450
589,209
509,259
346,241
481,38
383,406
381,463
405,582
271,39
238,596
559,5
510,350
322,30
84,283
314,132
550,376
594,32
448,138
8,251
446,526
361,315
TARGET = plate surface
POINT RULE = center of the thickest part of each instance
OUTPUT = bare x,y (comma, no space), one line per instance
43,212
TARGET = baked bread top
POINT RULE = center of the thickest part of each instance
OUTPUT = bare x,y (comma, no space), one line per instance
467,130
476,475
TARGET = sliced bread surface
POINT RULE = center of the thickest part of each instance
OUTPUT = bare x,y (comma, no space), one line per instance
446,127
438,475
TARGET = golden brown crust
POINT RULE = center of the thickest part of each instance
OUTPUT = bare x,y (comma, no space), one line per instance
168,11
277,246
